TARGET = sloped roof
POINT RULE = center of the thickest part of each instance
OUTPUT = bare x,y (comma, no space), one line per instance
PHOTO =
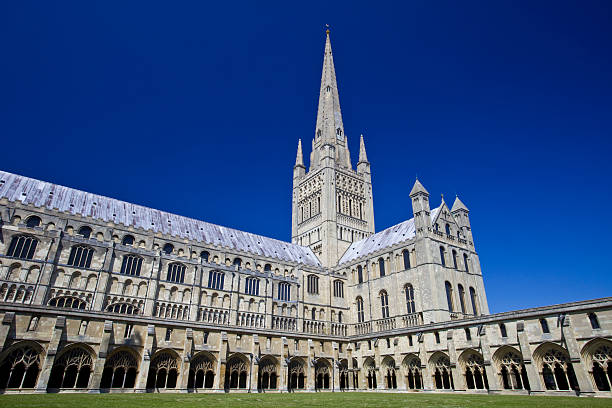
59,198
401,232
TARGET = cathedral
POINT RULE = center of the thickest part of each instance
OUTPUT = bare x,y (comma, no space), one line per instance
102,295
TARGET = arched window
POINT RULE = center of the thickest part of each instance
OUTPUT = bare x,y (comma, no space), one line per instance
318,132
442,257
384,304
409,298
204,256
176,272
313,313
251,286
237,262
80,256
20,368
594,321
462,298
339,132
85,231
449,295
455,259
22,246
123,308
360,313
447,228
339,317
381,267
33,222
72,369
267,267
544,325
406,256
313,284
474,301
466,263
128,240
338,288
216,279
284,291
359,274
68,302
131,265
168,248
468,334
502,330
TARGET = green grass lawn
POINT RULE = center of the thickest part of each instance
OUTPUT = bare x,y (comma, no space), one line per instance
338,400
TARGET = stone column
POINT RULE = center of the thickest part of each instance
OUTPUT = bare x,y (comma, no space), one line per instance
458,378
535,383
425,370
380,378
96,377
103,276
7,323
219,382
582,375
152,289
145,362
254,369
186,359
335,370
310,367
47,365
283,367
492,377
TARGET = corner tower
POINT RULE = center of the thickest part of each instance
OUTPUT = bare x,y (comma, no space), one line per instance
331,203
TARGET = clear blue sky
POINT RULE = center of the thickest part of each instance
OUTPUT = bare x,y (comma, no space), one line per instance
196,108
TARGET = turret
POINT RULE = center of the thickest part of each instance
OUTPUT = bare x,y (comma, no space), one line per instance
462,216
420,208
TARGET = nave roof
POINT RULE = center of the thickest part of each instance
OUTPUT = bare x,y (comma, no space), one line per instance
401,232
54,197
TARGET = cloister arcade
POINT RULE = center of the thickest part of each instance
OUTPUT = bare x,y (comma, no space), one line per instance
201,372
472,365
73,368
511,369
555,367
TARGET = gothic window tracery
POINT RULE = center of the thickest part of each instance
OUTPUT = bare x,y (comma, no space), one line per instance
163,370
120,370
72,369
20,368
201,372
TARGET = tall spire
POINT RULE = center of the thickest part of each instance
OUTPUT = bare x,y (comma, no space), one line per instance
363,157
330,129
299,158
329,118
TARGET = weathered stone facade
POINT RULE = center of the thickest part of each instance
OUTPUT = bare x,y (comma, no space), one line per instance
101,295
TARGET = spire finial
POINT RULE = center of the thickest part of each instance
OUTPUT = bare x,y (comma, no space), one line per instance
327,29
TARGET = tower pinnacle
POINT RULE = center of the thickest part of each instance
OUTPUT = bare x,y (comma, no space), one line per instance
299,158
363,157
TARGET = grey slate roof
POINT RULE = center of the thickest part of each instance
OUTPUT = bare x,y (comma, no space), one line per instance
59,198
401,232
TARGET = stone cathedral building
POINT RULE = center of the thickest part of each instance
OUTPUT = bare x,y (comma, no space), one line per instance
101,295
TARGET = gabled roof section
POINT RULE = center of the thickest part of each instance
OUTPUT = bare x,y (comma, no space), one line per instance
76,202
401,232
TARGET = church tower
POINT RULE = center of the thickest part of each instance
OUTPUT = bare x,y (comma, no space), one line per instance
332,203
